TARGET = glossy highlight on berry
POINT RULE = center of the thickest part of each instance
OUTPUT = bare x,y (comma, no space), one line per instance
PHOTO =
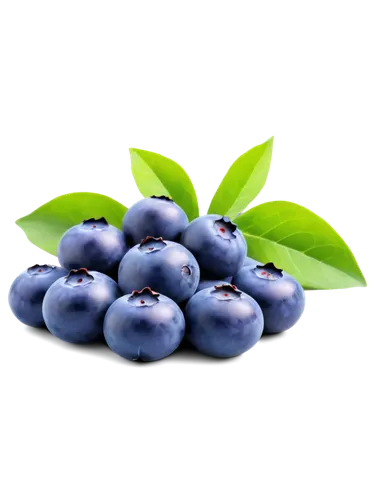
93,244
144,326
217,244
223,321
157,216
280,296
28,290
164,266
74,306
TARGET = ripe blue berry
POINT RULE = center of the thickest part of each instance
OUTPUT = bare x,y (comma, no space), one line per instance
93,244
28,290
164,266
157,216
251,262
144,326
280,296
74,306
223,321
217,244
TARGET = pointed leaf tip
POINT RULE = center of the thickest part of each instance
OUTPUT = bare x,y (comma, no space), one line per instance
243,181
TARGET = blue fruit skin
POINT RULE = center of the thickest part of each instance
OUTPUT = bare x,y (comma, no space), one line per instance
74,312
159,217
28,290
215,252
251,262
203,284
160,269
205,276
144,332
100,248
282,300
223,328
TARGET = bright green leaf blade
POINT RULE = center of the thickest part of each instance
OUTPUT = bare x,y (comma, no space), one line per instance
301,243
157,175
243,181
45,226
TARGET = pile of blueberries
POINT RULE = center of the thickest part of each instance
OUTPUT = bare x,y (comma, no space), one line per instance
159,280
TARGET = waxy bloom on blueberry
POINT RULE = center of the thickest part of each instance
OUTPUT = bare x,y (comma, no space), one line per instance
222,321
157,216
93,244
251,262
74,306
280,296
165,266
144,325
28,290
217,244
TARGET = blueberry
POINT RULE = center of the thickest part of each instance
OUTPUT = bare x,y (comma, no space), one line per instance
203,284
251,262
93,244
144,326
223,322
205,276
74,307
280,296
164,266
28,290
157,216
217,244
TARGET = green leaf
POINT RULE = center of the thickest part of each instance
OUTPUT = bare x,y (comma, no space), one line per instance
301,243
45,226
243,181
157,175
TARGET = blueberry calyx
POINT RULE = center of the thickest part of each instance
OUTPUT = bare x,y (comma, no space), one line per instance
227,287
81,270
151,244
93,223
225,228
144,297
34,266
268,271
151,238
226,292
162,197
77,277
37,269
186,270
146,290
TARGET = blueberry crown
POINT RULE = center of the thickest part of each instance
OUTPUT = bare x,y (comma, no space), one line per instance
80,273
149,239
230,225
145,291
36,267
226,292
162,197
271,268
227,288
101,221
